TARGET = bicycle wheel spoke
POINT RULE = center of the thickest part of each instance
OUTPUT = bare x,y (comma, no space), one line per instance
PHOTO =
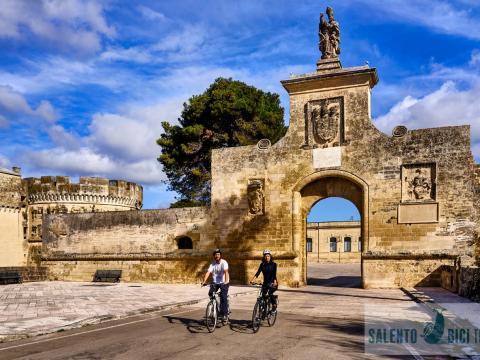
256,317
210,317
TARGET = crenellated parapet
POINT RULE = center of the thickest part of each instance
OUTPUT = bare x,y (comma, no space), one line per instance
89,190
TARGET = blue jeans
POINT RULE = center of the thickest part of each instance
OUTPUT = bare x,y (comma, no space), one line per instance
223,296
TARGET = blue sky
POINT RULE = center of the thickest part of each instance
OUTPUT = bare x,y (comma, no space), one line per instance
85,84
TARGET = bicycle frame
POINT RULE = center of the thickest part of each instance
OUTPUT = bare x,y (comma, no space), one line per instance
214,302
264,308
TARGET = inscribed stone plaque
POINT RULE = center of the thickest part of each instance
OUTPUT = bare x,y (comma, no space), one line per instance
411,213
327,157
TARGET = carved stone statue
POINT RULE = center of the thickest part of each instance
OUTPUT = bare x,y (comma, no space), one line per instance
255,196
329,33
325,120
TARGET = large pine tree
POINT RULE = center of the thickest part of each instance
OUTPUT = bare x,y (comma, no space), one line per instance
229,113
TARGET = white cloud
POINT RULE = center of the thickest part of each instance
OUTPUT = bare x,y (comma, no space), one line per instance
63,138
57,72
151,14
187,40
475,58
438,15
14,103
119,145
134,54
85,161
446,106
73,24
4,162
124,138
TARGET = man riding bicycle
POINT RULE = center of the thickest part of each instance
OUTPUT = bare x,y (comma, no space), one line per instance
221,279
269,270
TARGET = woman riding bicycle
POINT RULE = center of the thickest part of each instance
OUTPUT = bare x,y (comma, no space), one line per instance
269,270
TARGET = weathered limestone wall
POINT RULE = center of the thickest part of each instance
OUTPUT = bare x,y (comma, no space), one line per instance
321,234
122,234
464,280
28,273
143,244
180,270
469,283
403,271
13,246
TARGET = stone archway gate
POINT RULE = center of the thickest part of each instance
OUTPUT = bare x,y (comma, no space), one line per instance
414,190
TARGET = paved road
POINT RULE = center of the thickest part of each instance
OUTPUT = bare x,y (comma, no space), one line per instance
48,306
323,321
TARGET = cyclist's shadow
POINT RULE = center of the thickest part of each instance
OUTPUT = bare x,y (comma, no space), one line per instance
241,326
197,326
193,325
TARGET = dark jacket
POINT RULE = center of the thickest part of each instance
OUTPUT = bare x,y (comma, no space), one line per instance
269,271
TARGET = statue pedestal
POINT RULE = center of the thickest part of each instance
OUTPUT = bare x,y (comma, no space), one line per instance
327,65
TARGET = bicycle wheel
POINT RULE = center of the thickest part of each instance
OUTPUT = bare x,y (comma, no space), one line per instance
210,317
271,317
256,317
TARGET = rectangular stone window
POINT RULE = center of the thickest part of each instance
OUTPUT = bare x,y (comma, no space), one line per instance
347,244
333,244
359,244
309,245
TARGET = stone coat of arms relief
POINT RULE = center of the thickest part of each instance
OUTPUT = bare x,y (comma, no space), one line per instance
325,123
418,183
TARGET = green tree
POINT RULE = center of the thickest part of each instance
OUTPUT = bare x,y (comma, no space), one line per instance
229,113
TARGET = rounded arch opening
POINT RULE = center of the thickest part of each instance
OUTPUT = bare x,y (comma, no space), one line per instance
319,190
333,243
184,242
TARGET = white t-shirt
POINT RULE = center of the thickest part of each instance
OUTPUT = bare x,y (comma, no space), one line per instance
218,271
